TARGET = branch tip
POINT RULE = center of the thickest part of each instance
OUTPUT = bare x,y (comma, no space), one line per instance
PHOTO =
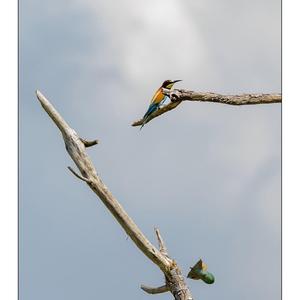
38,94
162,246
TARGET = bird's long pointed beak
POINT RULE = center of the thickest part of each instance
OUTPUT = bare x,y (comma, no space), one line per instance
177,80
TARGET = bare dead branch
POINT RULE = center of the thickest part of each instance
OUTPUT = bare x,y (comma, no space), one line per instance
243,99
155,290
178,96
76,149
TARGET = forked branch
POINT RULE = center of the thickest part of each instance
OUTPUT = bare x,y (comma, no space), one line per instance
177,96
76,147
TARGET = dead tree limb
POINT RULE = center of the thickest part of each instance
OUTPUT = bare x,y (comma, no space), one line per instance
76,147
177,96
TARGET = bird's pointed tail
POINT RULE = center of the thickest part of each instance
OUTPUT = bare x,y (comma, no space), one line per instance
152,108
144,122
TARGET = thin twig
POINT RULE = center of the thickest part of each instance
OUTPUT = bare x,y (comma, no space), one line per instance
162,246
79,176
89,143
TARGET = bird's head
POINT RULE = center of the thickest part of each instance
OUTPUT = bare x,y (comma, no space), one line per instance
168,84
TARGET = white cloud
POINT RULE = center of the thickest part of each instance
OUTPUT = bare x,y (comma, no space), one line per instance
165,43
149,41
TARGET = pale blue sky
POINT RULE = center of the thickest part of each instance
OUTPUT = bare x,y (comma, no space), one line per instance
205,172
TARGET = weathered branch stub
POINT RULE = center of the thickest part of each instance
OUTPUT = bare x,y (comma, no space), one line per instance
177,96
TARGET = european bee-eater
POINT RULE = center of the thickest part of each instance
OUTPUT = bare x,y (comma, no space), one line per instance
158,99
199,271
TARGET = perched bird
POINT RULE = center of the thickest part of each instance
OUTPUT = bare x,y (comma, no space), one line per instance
199,271
158,99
